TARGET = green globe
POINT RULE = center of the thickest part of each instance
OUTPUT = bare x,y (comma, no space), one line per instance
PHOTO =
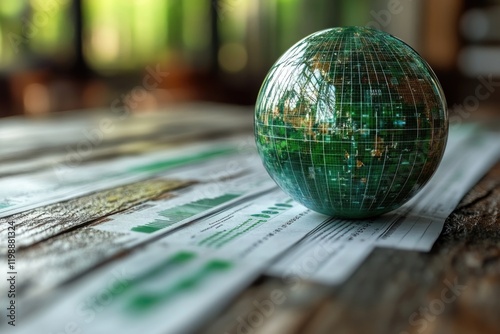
351,122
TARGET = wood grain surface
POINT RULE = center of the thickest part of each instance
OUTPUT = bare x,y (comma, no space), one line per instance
42,223
57,243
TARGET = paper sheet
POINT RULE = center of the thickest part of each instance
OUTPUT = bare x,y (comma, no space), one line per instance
144,290
415,226
219,256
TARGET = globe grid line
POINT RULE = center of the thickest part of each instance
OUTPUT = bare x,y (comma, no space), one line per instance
351,122
400,156
416,112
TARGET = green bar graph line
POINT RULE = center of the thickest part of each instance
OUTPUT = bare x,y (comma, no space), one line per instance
169,264
234,236
221,238
277,208
147,300
209,241
179,213
175,162
213,236
4,205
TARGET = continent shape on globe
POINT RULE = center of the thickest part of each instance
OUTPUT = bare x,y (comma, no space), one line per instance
351,122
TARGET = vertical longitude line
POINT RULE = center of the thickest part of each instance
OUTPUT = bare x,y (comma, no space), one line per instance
393,52
342,105
333,47
376,124
367,43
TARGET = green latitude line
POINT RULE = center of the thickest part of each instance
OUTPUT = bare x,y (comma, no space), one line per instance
176,162
179,213
147,300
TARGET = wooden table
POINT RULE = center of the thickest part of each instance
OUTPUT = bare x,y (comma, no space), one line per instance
453,289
